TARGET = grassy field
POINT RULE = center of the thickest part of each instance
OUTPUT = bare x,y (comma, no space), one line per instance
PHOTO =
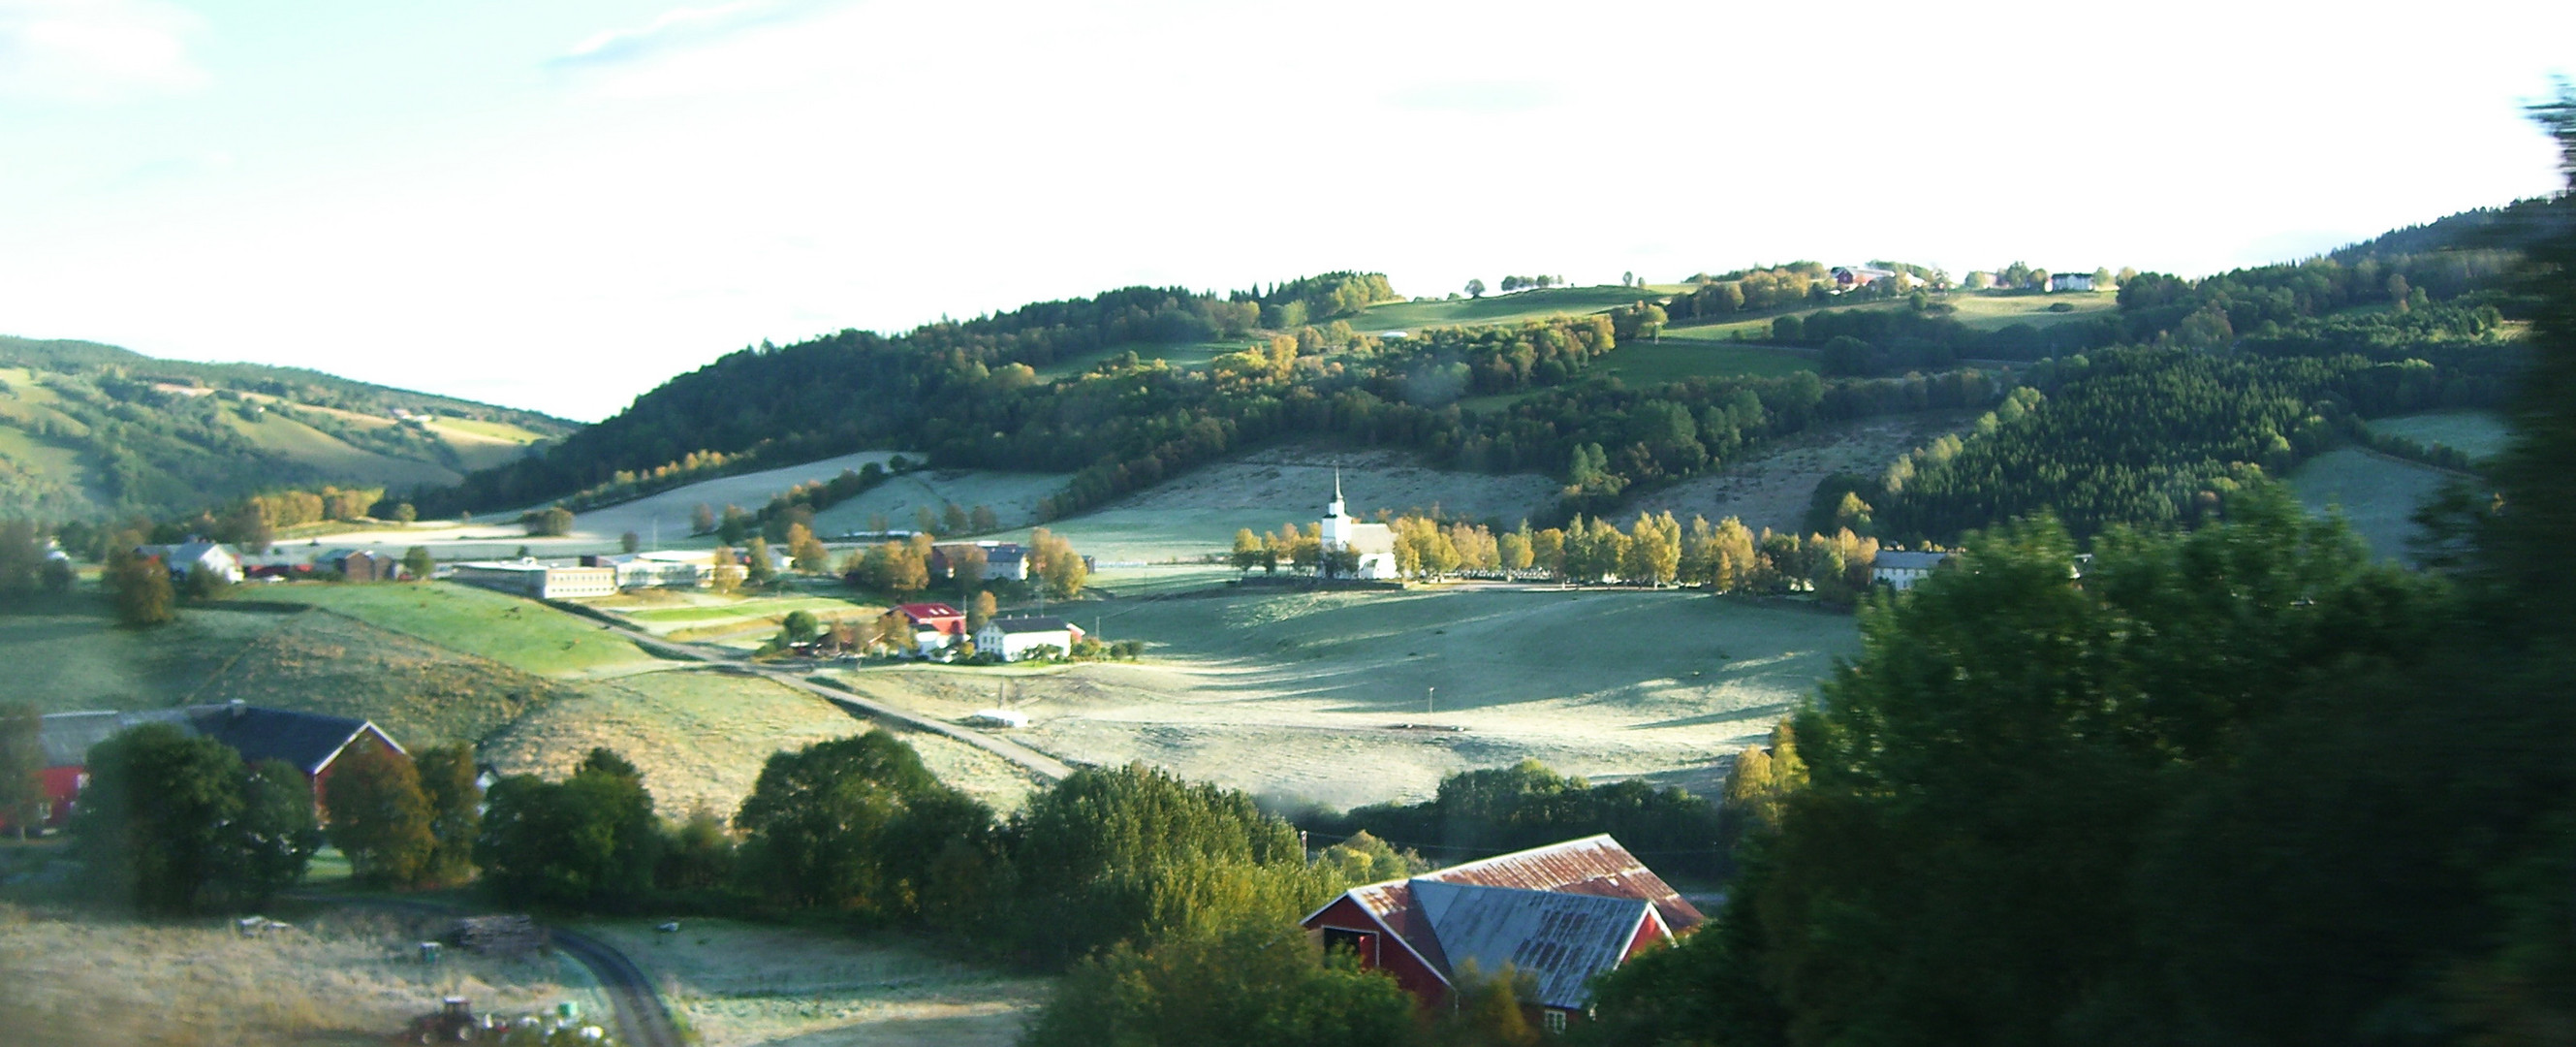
70,654
502,431
1307,694
1498,308
2376,494
701,738
420,693
1013,497
1771,489
741,984
1672,360
521,634
282,435
76,978
1996,310
1181,354
2479,434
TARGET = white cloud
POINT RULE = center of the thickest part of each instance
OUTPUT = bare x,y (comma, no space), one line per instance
94,50
680,28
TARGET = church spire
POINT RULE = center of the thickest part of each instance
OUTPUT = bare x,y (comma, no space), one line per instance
1334,510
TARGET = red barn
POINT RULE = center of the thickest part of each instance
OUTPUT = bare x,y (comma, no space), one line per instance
1561,914
312,742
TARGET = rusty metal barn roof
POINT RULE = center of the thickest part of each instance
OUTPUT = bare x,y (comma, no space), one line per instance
1594,865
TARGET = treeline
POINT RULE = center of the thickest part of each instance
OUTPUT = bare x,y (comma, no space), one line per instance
1752,290
1477,814
1653,550
855,389
2142,437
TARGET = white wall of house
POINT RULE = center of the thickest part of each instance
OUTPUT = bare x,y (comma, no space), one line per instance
1014,646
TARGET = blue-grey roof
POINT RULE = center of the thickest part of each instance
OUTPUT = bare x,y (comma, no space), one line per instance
1561,941
307,740
1895,559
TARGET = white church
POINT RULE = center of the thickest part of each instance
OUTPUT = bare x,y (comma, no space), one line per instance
1373,544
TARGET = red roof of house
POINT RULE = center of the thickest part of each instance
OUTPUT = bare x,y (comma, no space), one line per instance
938,616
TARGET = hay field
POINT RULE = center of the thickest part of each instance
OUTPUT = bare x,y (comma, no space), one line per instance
77,978
2478,434
1013,498
71,655
420,693
1306,694
1996,310
2376,494
1642,364
1772,488
521,634
1499,308
701,738
740,984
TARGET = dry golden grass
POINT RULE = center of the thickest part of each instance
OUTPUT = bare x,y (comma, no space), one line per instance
739,984
71,978
701,738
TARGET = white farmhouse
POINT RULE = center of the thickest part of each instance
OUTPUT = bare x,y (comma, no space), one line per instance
1014,638
1373,544
2070,281
192,556
1900,570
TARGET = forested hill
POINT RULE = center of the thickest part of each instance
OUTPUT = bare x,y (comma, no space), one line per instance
2420,317
90,431
914,389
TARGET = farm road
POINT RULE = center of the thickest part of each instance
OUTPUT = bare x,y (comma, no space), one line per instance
642,1018
1048,769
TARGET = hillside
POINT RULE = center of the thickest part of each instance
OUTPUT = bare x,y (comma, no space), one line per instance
90,431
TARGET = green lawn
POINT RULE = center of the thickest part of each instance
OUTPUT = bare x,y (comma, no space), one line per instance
495,430
1996,310
1654,363
1187,354
2377,495
70,654
1498,308
522,634
2478,434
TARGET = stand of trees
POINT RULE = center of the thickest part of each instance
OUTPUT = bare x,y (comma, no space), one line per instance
2234,785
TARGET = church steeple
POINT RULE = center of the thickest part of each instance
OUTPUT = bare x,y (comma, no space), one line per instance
1334,510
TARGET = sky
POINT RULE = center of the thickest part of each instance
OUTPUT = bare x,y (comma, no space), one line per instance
558,206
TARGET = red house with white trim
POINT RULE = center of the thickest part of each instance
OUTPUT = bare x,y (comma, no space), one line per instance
1561,914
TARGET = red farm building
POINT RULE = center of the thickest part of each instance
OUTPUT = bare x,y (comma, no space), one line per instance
312,742
934,626
1560,915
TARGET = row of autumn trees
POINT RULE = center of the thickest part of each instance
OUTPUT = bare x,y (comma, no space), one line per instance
1654,549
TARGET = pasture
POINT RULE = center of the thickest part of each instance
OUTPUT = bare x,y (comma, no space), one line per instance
1641,364
2478,434
1355,697
80,978
1996,310
2376,494
1177,354
522,634
69,654
420,693
1771,488
740,984
1013,497
701,737
1498,308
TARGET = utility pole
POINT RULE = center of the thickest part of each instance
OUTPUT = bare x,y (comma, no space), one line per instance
1427,694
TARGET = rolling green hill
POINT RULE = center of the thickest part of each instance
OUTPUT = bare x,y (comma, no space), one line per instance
89,431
